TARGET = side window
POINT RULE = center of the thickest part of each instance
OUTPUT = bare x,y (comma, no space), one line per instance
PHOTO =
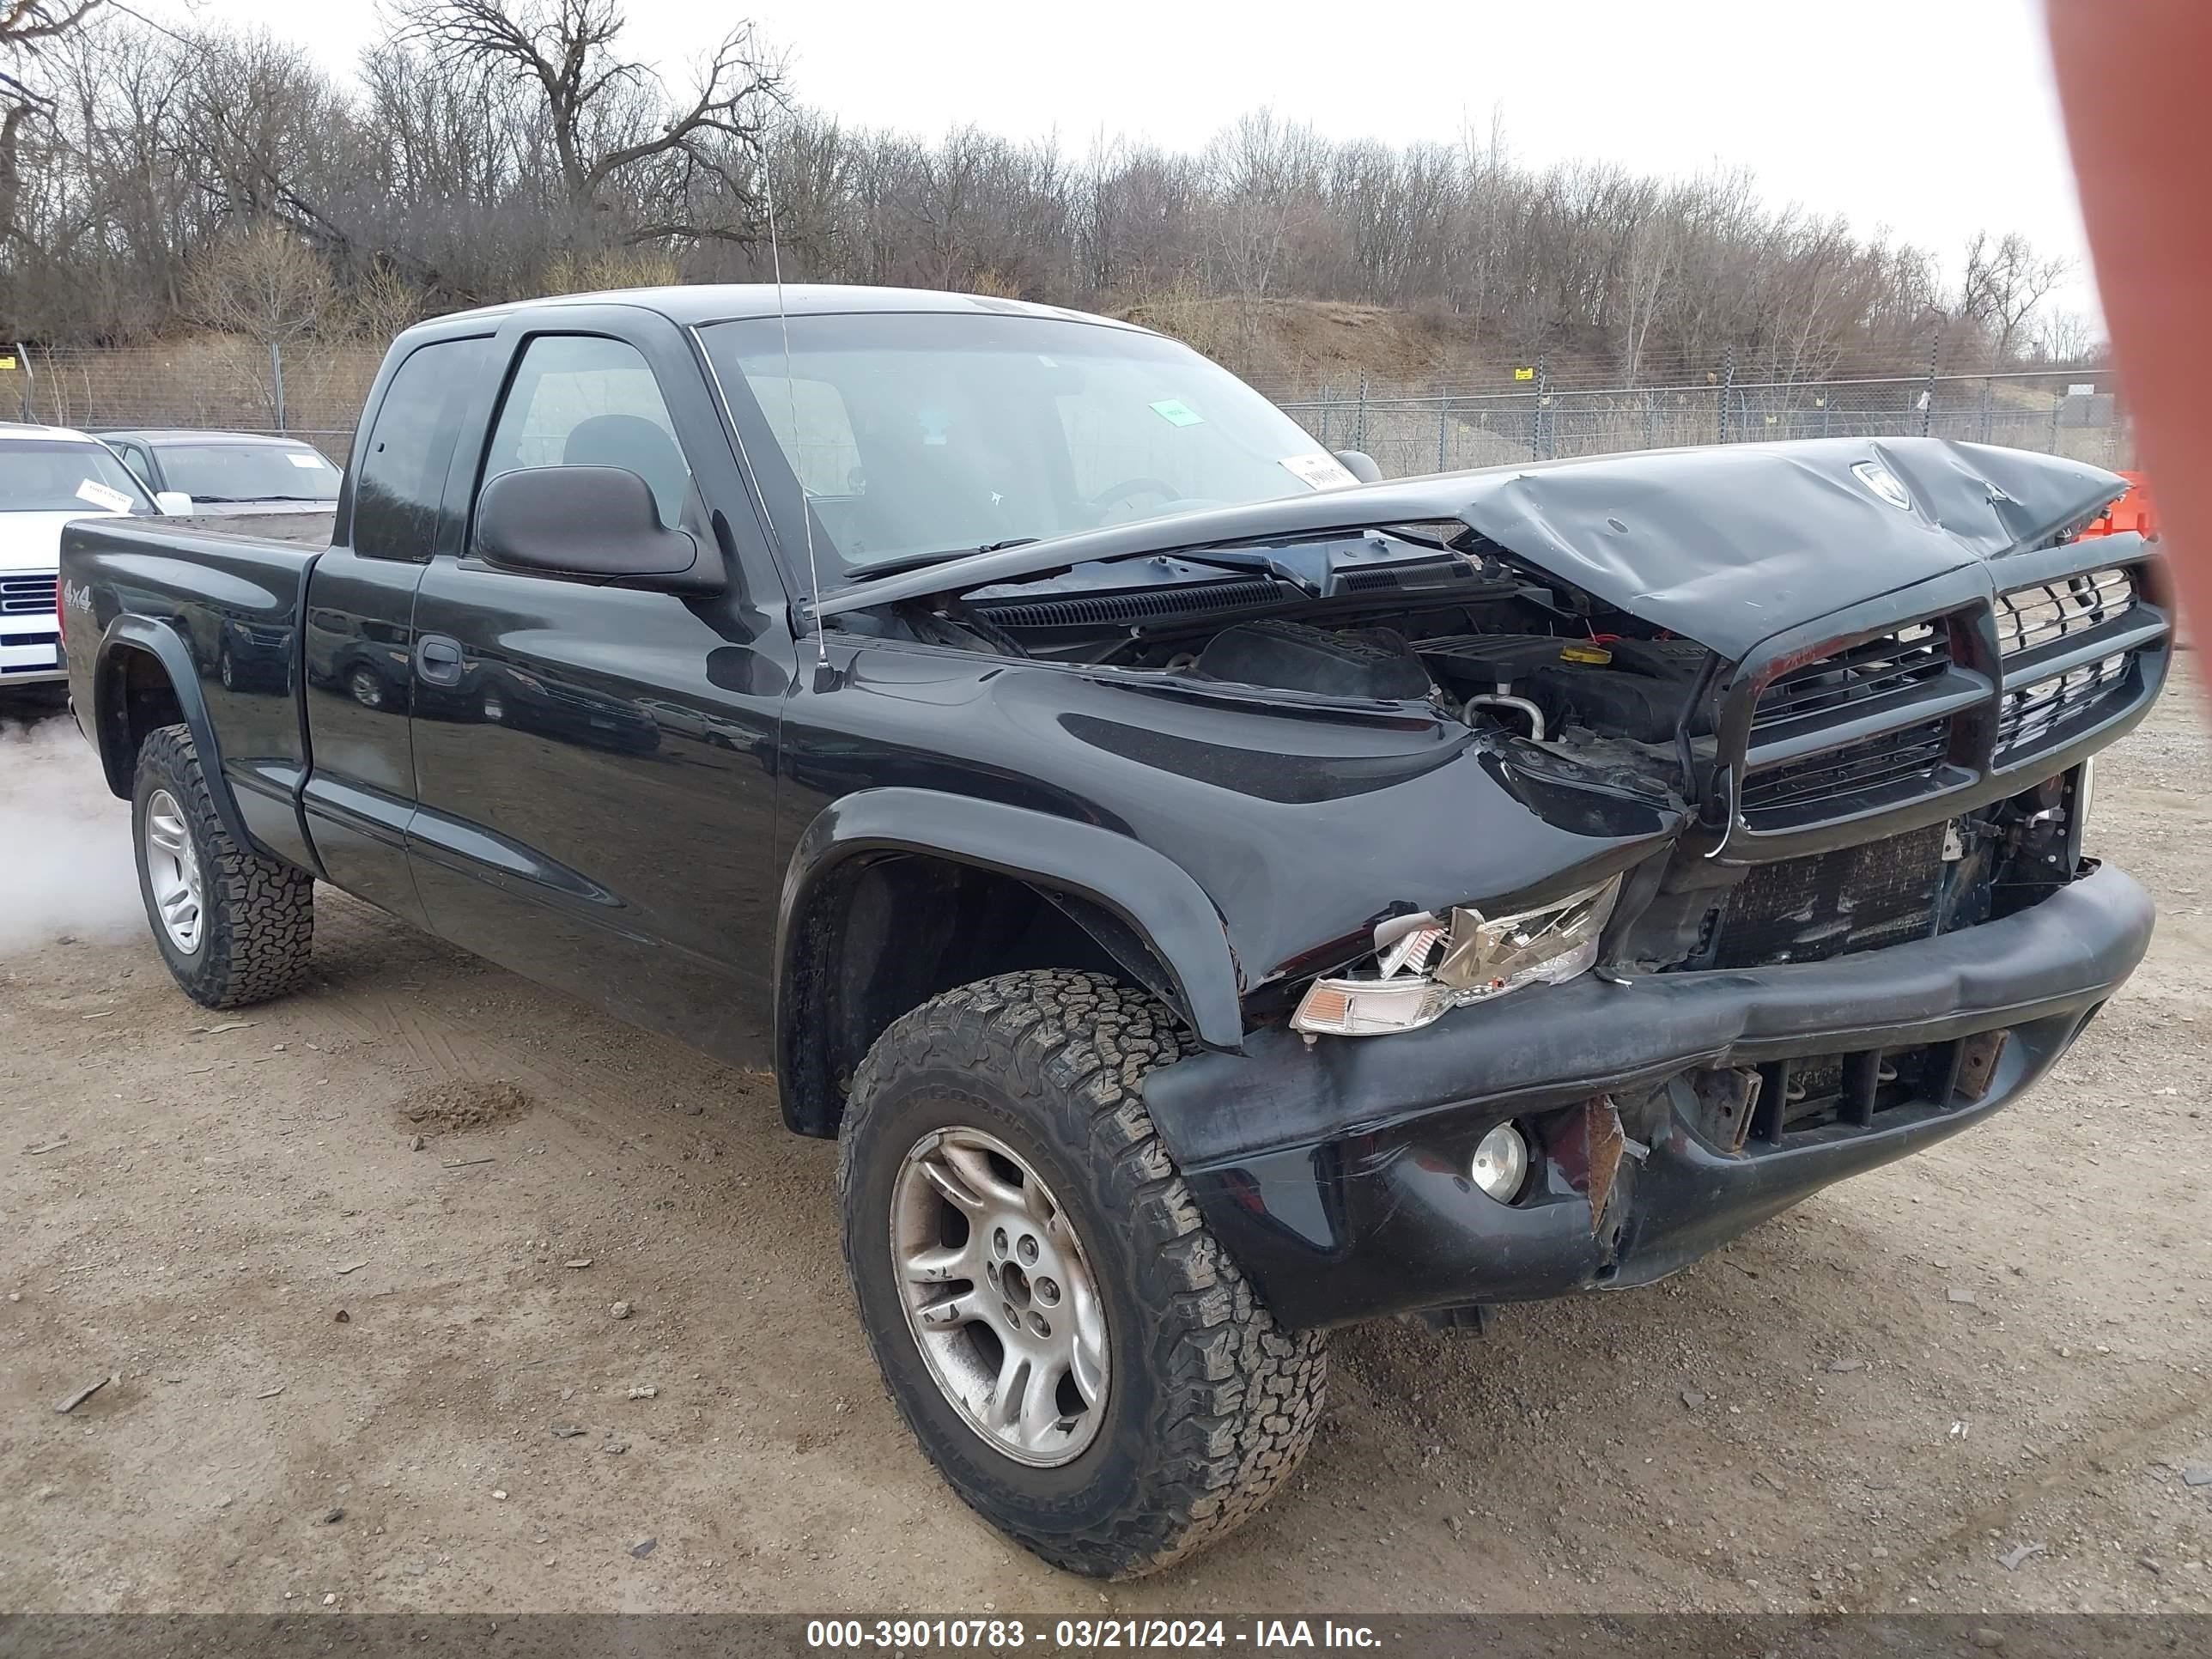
583,400
135,458
400,475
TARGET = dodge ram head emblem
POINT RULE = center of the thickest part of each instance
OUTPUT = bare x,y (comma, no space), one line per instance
1880,480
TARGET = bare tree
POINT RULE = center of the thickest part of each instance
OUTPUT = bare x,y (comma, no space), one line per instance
484,149
383,302
616,138
2068,337
268,286
27,28
2004,285
1654,248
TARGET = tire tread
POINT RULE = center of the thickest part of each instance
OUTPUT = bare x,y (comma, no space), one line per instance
259,930
1241,1395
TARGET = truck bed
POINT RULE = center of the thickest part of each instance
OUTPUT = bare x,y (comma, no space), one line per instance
307,530
219,611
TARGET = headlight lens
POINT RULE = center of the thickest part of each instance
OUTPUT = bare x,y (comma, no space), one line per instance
1424,967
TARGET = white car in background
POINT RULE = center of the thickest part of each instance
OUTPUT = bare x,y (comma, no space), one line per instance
49,475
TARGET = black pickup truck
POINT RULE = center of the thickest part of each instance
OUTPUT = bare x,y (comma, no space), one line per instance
1214,895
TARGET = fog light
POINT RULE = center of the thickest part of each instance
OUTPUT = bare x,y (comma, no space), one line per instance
1501,1162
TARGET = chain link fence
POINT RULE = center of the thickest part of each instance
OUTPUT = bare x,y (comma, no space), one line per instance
315,392
2072,412
312,392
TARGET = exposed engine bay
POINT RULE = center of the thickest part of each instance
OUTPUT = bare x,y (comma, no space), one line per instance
1458,624
1453,622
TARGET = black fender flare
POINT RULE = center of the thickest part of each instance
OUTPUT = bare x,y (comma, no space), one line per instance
165,645
1083,867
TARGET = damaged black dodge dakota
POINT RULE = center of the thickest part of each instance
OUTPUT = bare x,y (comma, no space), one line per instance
1210,898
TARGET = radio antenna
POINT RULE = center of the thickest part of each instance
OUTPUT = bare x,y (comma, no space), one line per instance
791,390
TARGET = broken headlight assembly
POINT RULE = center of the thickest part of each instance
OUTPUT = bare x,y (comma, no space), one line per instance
1426,965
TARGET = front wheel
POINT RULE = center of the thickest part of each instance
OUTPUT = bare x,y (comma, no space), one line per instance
1074,1349
233,925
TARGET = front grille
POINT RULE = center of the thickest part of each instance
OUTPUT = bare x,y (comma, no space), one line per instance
1859,769
2071,647
1852,728
2031,714
1855,898
26,596
14,641
1885,726
2029,618
1893,662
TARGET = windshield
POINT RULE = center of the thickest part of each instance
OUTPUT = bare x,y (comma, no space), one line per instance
923,435
67,475
248,472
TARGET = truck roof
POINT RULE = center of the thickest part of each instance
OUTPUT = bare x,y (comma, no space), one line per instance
692,304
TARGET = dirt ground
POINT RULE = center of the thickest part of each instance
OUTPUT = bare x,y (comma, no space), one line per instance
1975,1380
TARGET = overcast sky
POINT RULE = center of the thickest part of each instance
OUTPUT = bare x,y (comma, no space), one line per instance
1933,119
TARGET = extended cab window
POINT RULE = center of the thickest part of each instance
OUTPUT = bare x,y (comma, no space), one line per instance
582,400
401,473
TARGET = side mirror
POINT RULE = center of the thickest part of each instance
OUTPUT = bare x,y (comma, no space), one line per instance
173,502
590,521
1360,465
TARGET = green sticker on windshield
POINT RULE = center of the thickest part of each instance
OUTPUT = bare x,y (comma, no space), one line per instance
1175,412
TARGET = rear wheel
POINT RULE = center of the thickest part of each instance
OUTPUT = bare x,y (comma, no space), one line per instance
1070,1344
233,925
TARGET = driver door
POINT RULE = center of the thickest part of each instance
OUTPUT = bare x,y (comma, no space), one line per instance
595,765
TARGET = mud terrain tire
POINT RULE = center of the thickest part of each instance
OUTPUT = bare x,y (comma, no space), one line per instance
258,915
1209,1404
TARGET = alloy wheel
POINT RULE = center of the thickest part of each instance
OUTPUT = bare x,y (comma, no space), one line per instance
173,871
1000,1296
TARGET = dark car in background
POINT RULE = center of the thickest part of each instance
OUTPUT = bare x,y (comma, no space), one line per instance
228,473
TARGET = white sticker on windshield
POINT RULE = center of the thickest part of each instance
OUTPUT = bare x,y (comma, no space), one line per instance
313,462
101,495
1322,472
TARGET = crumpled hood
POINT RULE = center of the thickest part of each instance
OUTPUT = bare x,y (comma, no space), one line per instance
1727,545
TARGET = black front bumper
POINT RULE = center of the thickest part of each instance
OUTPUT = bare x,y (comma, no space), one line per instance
1334,1173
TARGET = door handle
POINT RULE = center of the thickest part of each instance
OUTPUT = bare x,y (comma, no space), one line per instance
438,660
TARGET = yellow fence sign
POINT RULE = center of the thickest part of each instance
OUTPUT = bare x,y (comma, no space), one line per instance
1525,374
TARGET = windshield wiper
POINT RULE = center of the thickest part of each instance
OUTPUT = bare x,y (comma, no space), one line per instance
919,560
